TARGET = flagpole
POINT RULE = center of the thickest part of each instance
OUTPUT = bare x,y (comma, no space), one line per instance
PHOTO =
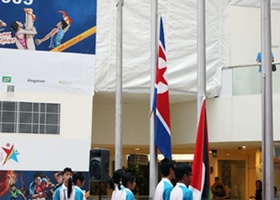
154,46
118,114
201,66
267,115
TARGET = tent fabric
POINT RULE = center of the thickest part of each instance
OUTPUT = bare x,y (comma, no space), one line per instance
180,22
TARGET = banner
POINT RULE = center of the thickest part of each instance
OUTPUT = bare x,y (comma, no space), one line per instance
44,153
48,45
22,184
35,19
47,72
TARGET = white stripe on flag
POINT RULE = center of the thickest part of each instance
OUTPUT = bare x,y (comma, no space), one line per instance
196,193
163,122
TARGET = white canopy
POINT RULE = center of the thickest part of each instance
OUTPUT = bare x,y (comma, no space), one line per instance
180,26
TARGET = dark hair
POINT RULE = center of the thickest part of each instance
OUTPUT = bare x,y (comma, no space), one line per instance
181,169
14,26
69,188
128,177
78,176
165,165
64,24
37,174
260,183
110,184
67,169
117,177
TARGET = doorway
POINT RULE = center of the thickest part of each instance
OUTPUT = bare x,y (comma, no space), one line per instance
232,173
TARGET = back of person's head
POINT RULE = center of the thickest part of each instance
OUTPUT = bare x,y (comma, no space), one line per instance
128,177
181,169
78,176
110,184
165,165
117,176
69,186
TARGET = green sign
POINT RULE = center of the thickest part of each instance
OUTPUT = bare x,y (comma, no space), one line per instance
6,79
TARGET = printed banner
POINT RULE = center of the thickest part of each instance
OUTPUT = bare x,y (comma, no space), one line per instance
44,153
47,45
29,184
47,72
64,25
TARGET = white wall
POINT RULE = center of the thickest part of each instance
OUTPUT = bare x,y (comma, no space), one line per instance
53,152
245,43
230,119
245,35
135,124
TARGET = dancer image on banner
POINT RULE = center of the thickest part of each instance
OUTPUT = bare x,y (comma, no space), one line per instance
24,37
56,34
2,25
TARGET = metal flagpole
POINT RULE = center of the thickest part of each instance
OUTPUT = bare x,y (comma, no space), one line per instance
267,119
118,114
154,46
201,66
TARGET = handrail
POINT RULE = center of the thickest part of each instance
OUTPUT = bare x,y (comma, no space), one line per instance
248,65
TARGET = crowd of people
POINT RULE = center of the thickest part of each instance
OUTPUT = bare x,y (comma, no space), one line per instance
174,185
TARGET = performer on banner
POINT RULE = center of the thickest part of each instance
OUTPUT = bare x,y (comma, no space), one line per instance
2,25
56,34
29,25
24,37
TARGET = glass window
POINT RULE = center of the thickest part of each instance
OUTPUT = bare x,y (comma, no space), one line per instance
29,117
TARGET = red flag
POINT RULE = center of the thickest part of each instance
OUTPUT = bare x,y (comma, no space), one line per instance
200,184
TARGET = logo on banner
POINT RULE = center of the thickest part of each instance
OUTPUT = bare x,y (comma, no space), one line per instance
6,38
6,79
9,153
35,81
63,82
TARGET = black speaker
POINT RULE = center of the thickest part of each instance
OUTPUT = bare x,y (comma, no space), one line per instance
99,161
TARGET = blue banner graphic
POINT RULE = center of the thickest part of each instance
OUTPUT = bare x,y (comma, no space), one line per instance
30,184
48,25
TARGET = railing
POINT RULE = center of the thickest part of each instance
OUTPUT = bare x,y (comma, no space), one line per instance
246,80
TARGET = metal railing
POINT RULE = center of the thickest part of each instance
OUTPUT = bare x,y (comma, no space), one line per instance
246,80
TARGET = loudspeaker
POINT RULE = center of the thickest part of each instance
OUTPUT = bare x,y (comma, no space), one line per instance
99,161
